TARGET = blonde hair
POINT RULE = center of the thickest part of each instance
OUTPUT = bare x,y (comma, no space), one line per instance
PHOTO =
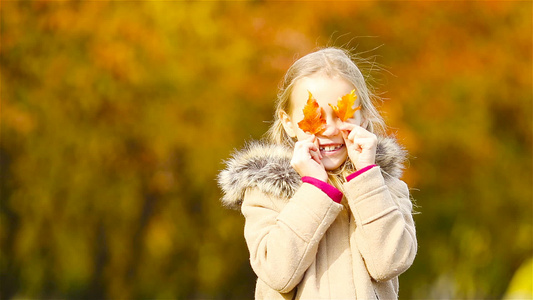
333,62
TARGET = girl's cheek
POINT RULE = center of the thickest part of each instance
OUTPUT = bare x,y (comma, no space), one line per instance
357,118
301,135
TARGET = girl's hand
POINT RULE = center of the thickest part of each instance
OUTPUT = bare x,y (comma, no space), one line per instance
306,159
361,145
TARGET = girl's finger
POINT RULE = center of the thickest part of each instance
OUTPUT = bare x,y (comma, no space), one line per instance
310,138
317,148
360,132
353,134
355,130
345,126
364,143
315,155
307,150
345,135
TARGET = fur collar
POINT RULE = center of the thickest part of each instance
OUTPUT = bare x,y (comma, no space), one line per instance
267,167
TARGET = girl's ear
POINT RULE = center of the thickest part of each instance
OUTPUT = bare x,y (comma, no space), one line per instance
287,123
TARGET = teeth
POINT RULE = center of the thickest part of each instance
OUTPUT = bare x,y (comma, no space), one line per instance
330,148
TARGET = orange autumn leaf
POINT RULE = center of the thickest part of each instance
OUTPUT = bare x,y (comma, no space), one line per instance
313,121
344,108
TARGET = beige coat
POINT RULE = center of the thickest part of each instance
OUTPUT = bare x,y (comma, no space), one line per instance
303,245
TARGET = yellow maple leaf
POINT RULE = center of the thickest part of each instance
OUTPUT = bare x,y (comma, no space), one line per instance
344,109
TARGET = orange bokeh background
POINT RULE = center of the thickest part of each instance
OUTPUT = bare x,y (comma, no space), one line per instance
116,117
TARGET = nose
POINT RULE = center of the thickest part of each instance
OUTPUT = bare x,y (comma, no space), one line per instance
332,126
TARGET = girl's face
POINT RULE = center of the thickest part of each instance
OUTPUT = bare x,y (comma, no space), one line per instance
326,90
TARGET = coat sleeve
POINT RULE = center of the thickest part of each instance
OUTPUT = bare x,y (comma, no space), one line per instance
282,236
385,231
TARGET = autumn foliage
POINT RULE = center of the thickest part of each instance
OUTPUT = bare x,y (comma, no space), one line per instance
313,121
345,106
116,115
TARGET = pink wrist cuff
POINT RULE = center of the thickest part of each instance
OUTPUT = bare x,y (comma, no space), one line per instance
327,188
359,172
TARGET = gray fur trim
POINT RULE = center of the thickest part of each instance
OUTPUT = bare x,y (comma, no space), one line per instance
261,165
390,156
267,167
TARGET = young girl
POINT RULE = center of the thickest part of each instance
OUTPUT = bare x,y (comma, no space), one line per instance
327,216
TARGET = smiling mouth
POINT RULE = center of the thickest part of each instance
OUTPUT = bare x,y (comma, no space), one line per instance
330,148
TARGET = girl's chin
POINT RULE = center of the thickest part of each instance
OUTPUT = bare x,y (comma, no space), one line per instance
332,164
